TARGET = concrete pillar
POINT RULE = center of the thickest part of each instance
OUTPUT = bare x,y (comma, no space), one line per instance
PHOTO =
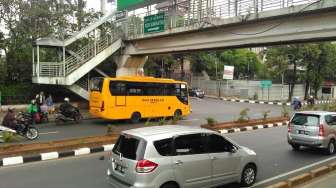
103,6
130,65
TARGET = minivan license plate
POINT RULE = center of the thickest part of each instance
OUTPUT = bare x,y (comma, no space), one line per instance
303,132
119,168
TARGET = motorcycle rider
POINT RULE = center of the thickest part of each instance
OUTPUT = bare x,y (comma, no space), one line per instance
32,110
66,108
9,120
296,103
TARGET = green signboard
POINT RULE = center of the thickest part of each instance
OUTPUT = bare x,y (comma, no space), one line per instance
154,23
125,4
265,83
134,4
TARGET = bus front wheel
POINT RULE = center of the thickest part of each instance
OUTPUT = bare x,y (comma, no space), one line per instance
135,118
177,114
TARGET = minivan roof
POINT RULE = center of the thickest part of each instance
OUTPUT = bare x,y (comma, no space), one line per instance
164,131
315,112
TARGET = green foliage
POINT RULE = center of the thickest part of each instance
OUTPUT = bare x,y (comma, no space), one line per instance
255,96
10,137
325,107
148,123
109,129
162,121
175,120
27,21
211,121
243,115
284,111
266,114
246,63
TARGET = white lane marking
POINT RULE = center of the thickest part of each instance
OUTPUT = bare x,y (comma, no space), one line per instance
293,172
108,147
82,151
48,156
55,132
12,160
190,119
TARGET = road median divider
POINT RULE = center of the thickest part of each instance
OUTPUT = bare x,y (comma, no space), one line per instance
253,124
22,153
305,177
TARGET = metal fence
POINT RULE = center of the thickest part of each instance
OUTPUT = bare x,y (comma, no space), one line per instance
200,12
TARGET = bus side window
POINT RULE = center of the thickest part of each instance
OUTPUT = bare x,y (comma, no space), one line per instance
117,88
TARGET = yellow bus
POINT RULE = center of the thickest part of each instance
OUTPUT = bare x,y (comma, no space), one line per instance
135,98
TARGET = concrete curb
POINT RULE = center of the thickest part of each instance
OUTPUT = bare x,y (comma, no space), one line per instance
53,155
265,102
255,127
305,177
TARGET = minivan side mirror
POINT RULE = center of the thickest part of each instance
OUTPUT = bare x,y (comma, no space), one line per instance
233,149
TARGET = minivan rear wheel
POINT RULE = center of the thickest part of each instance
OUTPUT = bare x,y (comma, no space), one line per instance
169,185
249,175
331,147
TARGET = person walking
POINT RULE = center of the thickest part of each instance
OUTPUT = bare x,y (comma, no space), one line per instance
9,120
32,110
50,104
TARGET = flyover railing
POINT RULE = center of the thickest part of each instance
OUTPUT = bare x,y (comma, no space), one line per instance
194,13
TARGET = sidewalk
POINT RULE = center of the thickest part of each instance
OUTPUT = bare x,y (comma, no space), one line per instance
327,181
23,108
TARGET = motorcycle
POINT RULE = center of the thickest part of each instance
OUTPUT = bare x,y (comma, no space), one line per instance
25,127
71,115
43,117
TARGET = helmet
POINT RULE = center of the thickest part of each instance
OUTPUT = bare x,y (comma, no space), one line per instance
66,99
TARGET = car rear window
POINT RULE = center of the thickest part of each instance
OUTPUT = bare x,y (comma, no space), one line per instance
164,147
130,147
306,120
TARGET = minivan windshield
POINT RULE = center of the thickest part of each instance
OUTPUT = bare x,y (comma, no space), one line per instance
306,120
129,147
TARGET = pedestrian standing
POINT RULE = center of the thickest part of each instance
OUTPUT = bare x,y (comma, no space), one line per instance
40,99
50,104
32,110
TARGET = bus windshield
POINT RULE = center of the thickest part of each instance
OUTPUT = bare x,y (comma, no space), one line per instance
97,84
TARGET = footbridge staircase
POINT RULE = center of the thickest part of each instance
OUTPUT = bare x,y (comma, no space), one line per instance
69,62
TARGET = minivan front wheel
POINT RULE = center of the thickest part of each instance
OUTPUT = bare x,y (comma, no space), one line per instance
331,147
249,175
295,147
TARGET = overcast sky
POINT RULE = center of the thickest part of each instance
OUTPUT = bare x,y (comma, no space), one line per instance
95,4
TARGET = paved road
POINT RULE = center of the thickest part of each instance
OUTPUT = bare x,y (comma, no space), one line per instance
275,157
202,108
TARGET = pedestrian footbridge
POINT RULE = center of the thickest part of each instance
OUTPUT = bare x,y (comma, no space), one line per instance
192,25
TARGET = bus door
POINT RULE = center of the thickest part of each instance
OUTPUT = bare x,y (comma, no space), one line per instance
120,101
120,98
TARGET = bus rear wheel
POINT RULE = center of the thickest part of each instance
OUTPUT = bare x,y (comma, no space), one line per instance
135,118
